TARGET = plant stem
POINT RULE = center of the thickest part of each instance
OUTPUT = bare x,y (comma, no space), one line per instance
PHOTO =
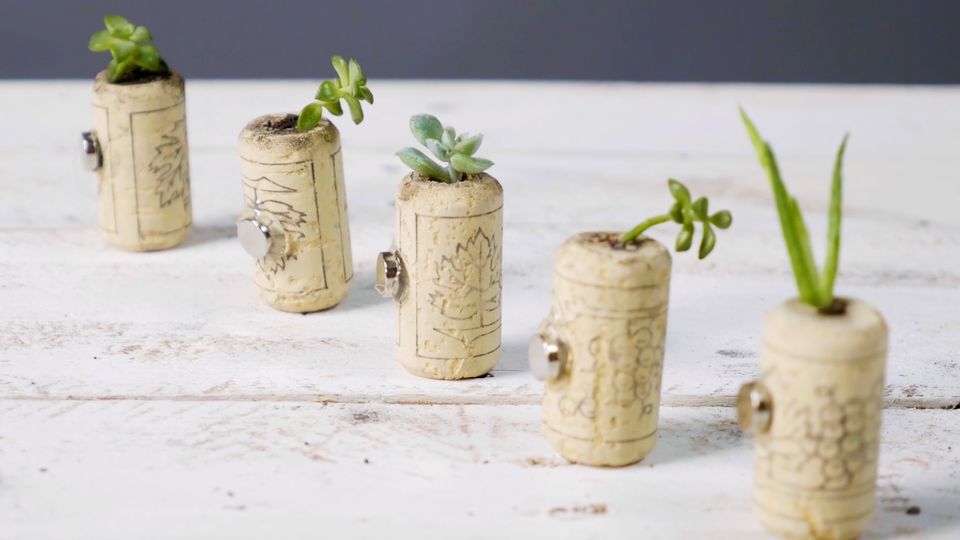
635,232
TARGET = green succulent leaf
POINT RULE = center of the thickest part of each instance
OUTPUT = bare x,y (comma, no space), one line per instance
148,58
334,107
679,191
468,145
340,66
425,126
365,94
468,164
118,26
700,207
309,117
356,110
438,149
449,137
422,164
708,241
327,91
355,74
100,41
676,212
685,237
140,34
722,219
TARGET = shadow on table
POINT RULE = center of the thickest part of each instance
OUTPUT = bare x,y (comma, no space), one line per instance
206,234
685,434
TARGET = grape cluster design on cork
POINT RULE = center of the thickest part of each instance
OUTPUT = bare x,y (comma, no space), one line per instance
831,438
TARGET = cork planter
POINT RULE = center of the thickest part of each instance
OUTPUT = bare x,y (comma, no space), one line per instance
816,413
294,223
601,348
138,147
445,275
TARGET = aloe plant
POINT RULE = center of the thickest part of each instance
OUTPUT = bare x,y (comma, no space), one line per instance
687,213
815,287
131,50
444,143
350,86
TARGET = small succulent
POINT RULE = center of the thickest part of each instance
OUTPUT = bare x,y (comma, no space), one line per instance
350,86
444,143
815,288
686,212
130,47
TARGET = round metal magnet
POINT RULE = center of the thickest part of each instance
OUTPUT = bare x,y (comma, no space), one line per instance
547,355
388,274
754,407
254,237
90,147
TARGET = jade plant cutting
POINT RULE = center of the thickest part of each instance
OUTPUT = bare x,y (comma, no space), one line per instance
457,151
601,346
295,224
141,154
349,86
132,52
687,213
446,270
817,404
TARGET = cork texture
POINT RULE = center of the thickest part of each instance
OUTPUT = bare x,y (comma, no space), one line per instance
815,469
143,194
294,182
609,309
449,237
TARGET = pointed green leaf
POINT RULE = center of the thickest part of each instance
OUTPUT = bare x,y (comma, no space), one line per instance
425,126
438,150
468,145
309,117
356,111
148,58
118,26
355,74
679,190
420,163
676,212
112,70
327,91
334,107
685,237
366,95
700,208
469,165
340,65
832,262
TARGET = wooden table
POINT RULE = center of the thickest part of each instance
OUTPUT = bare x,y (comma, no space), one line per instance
153,395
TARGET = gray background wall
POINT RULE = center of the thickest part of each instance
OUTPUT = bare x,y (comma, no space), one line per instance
889,41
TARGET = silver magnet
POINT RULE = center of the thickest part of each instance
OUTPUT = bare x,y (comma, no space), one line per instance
754,407
90,146
547,355
389,274
254,236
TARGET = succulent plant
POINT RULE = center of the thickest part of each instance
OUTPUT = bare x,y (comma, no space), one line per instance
686,212
350,86
130,47
816,289
444,143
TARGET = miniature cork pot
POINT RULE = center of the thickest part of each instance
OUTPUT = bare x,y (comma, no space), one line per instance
607,322
820,395
143,197
295,218
449,239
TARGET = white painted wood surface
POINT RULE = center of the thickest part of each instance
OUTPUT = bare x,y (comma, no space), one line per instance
153,395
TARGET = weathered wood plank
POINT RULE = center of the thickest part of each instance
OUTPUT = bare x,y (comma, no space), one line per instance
125,469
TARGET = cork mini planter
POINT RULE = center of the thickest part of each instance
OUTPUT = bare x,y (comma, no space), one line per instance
446,275
601,348
138,147
294,222
816,413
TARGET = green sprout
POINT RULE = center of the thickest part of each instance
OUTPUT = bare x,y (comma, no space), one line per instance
444,143
816,289
130,48
350,86
686,213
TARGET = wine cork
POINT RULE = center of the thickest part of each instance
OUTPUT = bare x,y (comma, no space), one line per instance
449,239
293,182
609,312
143,196
815,466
